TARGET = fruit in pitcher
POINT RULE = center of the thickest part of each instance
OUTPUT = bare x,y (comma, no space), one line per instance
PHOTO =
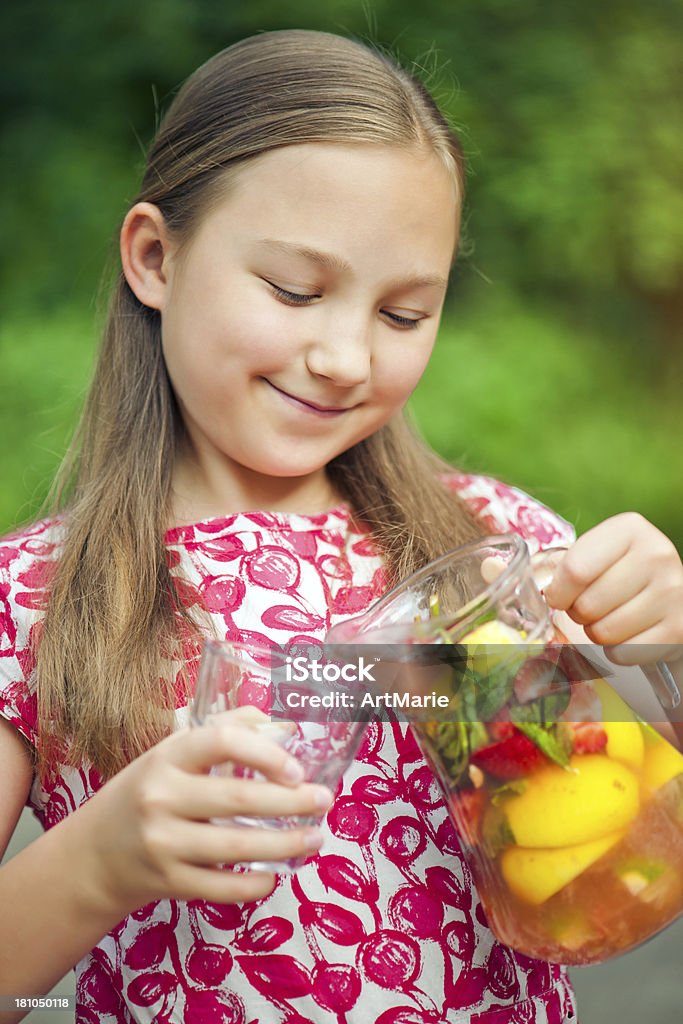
571,929
638,875
624,734
661,763
586,737
625,743
493,632
595,797
513,757
487,640
653,882
536,875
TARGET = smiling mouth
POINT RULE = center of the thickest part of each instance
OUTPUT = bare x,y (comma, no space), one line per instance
304,405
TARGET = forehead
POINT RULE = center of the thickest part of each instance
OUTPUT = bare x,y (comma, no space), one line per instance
345,199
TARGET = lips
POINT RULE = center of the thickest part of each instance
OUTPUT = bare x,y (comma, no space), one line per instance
305,403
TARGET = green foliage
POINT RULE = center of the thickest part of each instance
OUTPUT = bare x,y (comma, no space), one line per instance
47,361
561,373
571,115
516,392
573,136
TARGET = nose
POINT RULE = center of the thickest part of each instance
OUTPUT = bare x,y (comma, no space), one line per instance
342,355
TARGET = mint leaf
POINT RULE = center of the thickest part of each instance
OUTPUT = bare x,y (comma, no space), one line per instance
546,741
477,736
514,788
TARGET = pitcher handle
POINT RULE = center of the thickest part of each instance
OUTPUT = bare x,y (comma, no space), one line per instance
664,684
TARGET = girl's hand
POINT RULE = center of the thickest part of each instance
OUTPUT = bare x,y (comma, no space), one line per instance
149,829
623,582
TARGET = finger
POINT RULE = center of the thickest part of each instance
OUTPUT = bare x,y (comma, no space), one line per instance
280,729
221,885
203,844
645,649
196,750
204,797
629,621
586,560
619,585
491,568
246,714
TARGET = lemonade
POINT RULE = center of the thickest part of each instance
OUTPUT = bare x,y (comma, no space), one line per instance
570,808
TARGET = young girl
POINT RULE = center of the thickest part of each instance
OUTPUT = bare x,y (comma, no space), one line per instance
243,448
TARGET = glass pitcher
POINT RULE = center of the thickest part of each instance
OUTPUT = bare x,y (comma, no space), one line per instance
569,806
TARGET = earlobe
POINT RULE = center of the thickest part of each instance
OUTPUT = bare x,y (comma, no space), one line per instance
144,251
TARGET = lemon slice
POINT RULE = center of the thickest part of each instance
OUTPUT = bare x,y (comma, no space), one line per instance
536,875
494,632
558,808
662,763
485,645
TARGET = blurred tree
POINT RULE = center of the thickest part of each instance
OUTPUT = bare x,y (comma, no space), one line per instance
572,115
575,144
569,115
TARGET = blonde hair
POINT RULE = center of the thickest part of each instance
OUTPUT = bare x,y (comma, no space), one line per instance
115,629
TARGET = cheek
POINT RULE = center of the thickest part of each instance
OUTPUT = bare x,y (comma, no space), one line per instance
398,372
226,333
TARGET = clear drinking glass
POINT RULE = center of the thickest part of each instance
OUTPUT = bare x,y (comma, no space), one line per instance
233,675
569,806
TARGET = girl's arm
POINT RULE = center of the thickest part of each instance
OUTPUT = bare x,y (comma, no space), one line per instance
53,911
146,835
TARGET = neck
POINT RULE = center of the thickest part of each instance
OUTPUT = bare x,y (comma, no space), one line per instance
201,491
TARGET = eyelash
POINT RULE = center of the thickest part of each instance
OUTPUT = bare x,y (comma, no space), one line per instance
295,299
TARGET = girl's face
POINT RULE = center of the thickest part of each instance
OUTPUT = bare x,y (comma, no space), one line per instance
302,313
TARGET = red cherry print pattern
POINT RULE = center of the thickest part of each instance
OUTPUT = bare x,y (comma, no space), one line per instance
383,924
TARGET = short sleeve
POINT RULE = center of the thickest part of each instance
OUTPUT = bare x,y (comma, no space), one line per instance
18,621
502,508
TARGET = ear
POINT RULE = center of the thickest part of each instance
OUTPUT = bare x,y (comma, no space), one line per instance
145,253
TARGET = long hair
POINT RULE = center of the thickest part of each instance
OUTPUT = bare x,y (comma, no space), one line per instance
111,647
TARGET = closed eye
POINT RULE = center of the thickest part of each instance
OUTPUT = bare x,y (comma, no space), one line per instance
403,321
305,299
292,298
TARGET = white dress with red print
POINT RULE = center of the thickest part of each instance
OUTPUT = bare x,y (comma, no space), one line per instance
383,925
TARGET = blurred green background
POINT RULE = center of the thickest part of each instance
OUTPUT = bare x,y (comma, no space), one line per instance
559,365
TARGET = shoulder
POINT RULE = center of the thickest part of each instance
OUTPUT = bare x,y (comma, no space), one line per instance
502,508
27,558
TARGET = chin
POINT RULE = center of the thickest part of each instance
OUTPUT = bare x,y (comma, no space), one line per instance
291,460
287,467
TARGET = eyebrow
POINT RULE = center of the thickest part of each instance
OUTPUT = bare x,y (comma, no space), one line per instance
332,262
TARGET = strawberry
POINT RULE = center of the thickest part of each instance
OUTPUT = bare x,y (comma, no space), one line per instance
501,730
510,758
539,677
587,737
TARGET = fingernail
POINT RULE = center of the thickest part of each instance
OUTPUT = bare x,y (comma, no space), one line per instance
292,771
323,797
313,839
